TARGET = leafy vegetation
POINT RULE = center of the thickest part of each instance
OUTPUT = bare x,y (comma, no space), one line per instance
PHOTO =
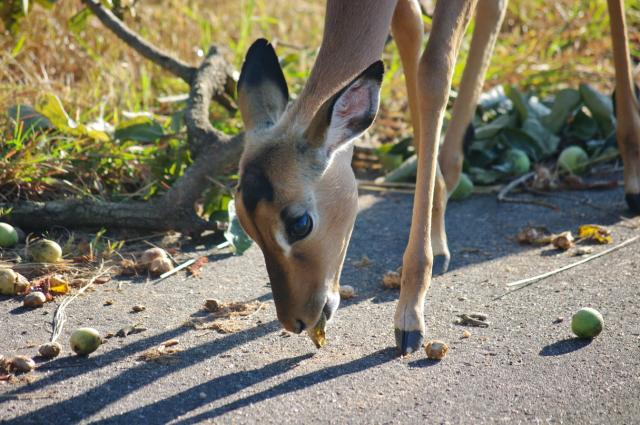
84,115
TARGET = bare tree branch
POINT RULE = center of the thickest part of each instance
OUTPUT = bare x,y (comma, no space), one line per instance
146,49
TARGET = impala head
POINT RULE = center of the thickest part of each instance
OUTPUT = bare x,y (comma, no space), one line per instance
297,195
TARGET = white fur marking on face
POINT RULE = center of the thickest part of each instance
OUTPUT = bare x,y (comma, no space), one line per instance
282,241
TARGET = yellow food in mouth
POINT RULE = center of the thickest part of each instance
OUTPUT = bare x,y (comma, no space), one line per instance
317,334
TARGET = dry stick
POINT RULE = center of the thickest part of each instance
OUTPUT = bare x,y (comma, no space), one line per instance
158,56
146,49
171,272
531,280
60,316
502,195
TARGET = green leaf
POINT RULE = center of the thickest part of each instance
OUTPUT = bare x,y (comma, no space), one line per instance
51,107
566,102
490,130
78,22
519,102
583,127
601,108
519,139
482,176
139,129
235,234
548,142
31,118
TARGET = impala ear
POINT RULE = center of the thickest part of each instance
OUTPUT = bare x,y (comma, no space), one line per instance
262,89
347,114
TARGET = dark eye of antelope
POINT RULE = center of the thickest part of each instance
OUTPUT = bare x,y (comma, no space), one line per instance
299,227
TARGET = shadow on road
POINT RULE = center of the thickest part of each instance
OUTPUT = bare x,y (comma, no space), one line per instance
119,386
565,346
296,384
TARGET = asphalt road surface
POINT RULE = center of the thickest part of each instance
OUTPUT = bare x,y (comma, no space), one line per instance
524,368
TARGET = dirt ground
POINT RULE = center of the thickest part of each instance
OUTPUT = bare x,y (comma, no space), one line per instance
526,367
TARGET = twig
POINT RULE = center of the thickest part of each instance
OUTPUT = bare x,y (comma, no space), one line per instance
60,317
531,280
502,195
176,270
146,49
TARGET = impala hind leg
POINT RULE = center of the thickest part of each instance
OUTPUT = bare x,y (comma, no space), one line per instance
489,17
627,107
408,30
435,71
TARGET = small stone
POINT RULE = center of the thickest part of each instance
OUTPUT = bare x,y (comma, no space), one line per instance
138,308
558,320
347,292
466,334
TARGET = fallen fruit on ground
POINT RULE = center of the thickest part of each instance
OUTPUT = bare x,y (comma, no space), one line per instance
464,189
8,235
563,241
573,159
34,299
22,284
50,350
587,323
391,280
519,161
8,279
347,292
317,333
45,251
160,265
151,254
22,364
436,349
85,341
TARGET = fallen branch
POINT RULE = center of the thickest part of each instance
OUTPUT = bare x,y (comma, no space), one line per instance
212,152
531,280
502,195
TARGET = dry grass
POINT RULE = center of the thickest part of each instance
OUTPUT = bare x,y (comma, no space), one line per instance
544,45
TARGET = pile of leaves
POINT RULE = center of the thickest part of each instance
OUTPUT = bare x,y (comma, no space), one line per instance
507,119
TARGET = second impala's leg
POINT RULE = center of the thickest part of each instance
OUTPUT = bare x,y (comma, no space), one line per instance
489,17
434,81
627,107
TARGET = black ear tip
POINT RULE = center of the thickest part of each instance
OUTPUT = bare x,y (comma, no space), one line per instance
375,71
260,64
259,44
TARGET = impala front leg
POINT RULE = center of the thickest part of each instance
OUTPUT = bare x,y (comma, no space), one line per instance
627,106
434,82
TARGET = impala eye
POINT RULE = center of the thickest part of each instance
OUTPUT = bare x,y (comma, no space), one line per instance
299,227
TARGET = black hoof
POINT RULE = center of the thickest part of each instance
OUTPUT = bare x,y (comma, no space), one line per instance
633,200
408,341
440,264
